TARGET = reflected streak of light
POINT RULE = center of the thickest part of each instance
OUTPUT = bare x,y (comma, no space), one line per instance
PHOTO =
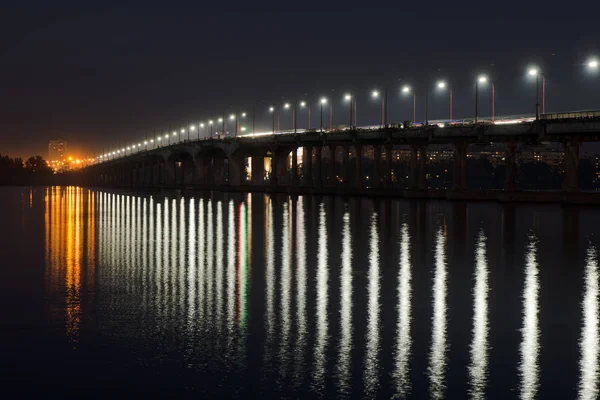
231,269
145,253
321,306
219,268
530,347
345,309
479,346
158,281
437,355
286,278
301,291
173,267
270,270
181,267
209,259
588,366
201,260
403,343
371,376
73,277
243,268
192,264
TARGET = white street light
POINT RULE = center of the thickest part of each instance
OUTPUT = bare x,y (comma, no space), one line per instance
533,71
174,133
406,89
323,100
220,119
243,115
482,79
441,84
593,63
166,136
302,104
210,122
158,138
232,117
192,127
347,97
271,109
202,125
151,140
375,93
145,142
286,105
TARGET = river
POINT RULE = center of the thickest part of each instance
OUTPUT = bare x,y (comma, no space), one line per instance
259,296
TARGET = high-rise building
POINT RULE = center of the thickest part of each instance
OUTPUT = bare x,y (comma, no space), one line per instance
57,150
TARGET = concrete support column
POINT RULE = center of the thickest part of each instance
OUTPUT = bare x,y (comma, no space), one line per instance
236,170
307,161
421,183
295,167
345,165
358,150
460,166
219,171
318,180
571,181
413,167
377,169
275,171
388,165
331,175
199,171
510,158
258,170
169,173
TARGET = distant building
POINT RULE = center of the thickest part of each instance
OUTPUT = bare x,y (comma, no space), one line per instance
57,150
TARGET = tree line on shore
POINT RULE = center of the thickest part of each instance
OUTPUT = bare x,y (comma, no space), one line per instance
15,170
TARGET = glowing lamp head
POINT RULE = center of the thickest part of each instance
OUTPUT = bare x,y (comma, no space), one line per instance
158,138
210,122
220,119
182,131
441,84
271,109
533,71
302,104
151,140
192,127
375,93
202,125
145,142
174,133
593,64
128,147
243,115
166,136
406,89
232,117
482,79
348,97
286,105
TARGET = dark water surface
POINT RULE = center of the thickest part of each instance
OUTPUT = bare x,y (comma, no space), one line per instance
252,296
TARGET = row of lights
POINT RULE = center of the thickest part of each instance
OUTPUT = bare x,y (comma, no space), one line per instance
592,64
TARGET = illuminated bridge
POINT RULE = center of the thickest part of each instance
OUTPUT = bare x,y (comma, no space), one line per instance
318,162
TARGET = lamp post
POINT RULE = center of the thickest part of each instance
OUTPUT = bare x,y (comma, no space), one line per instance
303,104
222,121
286,106
480,79
323,101
536,72
443,85
376,95
210,122
350,98
272,111
233,117
407,89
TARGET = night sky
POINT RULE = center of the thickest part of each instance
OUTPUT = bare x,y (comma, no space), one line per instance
99,75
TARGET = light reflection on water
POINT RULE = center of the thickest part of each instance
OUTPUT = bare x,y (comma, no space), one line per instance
327,315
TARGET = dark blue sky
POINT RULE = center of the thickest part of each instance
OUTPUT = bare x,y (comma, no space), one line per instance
106,73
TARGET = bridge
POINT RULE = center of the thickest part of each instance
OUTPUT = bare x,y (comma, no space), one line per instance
270,162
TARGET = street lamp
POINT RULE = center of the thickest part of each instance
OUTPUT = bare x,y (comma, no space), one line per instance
302,105
443,85
593,64
351,98
233,117
210,122
323,101
534,71
375,94
407,90
480,79
272,111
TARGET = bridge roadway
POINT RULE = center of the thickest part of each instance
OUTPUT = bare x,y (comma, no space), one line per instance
221,163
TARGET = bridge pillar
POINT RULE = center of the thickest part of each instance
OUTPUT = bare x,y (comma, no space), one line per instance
331,175
318,180
422,184
460,166
258,170
276,173
377,170
571,181
169,173
413,173
345,165
511,167
236,170
388,165
358,151
219,170
295,166
307,161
